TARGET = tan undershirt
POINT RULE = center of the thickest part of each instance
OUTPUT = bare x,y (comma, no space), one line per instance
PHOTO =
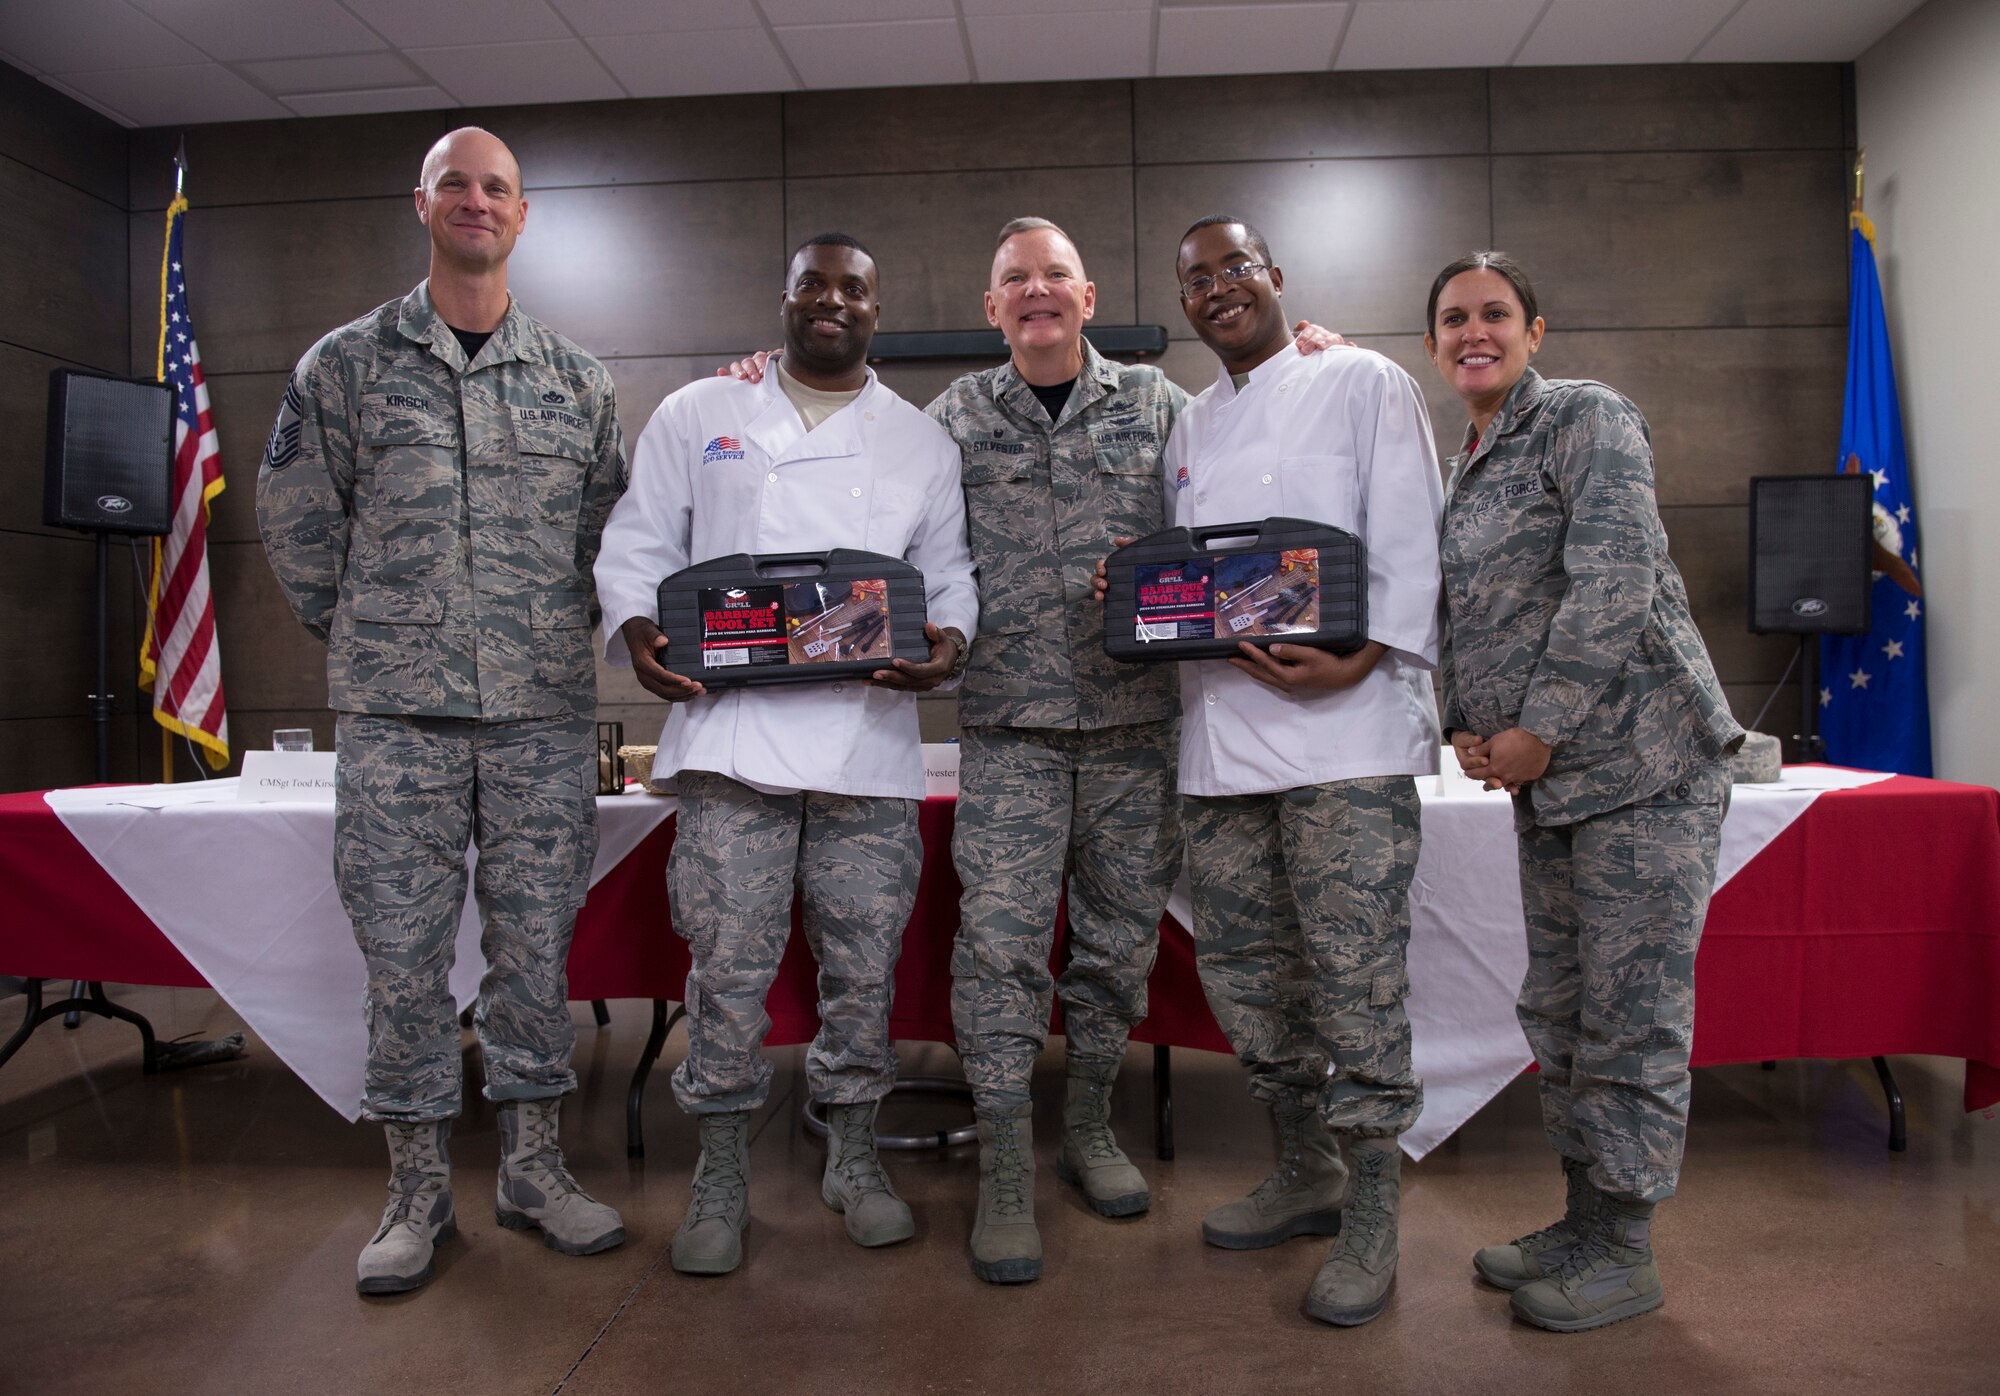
814,406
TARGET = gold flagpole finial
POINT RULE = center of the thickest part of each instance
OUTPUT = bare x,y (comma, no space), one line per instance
1860,163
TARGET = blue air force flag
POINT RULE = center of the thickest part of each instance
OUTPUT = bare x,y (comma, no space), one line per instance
1874,705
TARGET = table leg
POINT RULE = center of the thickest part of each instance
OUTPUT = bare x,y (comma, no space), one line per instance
1163,1102
96,1002
1899,1138
601,1012
635,1098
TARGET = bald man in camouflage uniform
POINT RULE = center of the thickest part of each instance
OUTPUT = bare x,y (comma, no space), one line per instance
431,502
1066,758
1569,623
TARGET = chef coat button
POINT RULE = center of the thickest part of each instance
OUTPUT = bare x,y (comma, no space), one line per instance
839,687
1211,697
1267,479
867,416
1284,387
772,477
1201,499
856,491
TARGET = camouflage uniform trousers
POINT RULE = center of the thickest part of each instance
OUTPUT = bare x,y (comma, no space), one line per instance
1032,804
409,794
1614,908
1302,939
738,854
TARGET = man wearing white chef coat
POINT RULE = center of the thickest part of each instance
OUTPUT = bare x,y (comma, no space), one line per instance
1297,766
818,782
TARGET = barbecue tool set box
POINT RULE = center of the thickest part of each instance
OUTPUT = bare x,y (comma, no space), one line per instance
792,617
1197,593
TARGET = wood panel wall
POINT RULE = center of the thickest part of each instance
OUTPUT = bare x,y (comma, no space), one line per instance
1685,225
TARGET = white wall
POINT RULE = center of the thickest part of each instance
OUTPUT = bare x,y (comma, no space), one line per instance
1927,110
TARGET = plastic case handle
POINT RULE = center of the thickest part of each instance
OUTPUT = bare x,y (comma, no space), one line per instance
1251,529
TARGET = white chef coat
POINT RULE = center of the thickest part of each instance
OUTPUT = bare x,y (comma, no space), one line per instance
1340,437
727,467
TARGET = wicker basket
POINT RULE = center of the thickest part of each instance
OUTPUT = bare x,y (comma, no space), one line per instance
639,765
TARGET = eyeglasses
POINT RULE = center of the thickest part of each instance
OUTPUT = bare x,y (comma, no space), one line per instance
1201,285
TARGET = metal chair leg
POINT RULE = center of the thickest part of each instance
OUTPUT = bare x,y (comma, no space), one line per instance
601,1012
635,1098
1899,1138
1163,1102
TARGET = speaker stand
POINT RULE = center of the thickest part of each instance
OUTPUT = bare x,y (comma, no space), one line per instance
100,697
1811,748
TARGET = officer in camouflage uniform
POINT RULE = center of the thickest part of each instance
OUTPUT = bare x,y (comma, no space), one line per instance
1574,677
1066,757
431,502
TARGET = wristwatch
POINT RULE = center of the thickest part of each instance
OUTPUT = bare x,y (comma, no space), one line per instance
959,660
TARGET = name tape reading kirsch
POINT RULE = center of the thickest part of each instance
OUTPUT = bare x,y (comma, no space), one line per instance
792,617
1197,593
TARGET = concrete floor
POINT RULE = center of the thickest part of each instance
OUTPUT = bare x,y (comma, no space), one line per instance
197,1232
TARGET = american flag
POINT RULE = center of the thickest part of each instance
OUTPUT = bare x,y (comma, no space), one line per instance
180,662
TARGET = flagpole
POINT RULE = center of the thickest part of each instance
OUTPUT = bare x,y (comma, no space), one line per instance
166,733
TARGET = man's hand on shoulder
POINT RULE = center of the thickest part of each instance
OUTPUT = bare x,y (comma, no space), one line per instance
648,647
948,646
1311,338
748,370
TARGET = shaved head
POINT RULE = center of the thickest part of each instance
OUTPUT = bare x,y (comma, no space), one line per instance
439,157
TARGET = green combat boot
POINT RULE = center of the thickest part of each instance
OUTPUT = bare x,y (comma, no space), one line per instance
1301,1197
1609,1276
856,1185
419,1213
536,1192
1353,1285
1090,1157
1006,1248
1540,1252
710,1239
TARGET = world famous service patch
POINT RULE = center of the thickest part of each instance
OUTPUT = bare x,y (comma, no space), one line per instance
722,448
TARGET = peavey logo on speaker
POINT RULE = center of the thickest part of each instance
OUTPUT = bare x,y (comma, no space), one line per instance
114,504
1808,607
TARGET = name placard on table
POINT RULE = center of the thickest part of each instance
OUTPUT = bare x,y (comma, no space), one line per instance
287,775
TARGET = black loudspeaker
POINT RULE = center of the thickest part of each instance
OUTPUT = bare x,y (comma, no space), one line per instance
110,462
1811,553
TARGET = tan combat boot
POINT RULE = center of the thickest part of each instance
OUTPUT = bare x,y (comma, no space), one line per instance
1539,1253
855,1183
1302,1197
710,1239
1090,1157
1608,1277
419,1214
536,1191
1006,1248
1353,1285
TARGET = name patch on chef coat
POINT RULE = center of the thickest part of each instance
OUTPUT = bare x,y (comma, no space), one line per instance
722,448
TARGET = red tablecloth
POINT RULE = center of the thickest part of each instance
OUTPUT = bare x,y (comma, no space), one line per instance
1869,927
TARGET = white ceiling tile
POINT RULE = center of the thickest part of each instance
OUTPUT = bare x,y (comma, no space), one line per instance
906,53
697,64
600,18
1247,38
459,23
182,95
1435,33
787,13
346,72
1060,47
79,36
1044,7
1621,31
75,96
233,30
501,75
363,101
1803,31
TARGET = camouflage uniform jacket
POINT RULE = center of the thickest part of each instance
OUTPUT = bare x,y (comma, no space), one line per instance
1565,615
435,521
1042,503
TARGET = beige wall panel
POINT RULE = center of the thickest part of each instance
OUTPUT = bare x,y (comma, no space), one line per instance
347,157
1309,116
933,235
45,753
1359,240
47,629
46,131
1724,106
654,269
64,290
1724,405
269,660
643,384
265,282
1711,546
989,127
1664,241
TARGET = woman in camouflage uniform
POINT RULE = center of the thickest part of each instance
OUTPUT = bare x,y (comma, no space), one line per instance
1574,678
